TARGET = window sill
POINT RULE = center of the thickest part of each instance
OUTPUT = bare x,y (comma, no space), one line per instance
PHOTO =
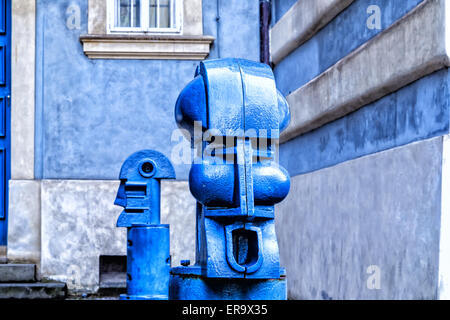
160,47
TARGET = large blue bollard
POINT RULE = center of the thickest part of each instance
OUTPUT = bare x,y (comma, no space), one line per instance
148,245
236,181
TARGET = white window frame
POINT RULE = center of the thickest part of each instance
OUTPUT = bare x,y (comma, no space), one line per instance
176,16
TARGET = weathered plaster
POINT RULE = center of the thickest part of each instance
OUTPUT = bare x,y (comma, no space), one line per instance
341,36
178,208
192,18
22,89
97,15
300,23
24,224
88,123
235,26
415,112
79,224
412,48
382,210
280,7
444,243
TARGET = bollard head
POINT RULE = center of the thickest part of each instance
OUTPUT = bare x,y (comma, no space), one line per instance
139,189
233,96
147,161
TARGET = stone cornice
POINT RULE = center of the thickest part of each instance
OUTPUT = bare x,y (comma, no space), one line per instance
412,48
115,46
300,23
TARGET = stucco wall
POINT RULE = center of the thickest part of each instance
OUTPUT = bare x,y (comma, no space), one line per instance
337,39
281,7
64,226
235,25
381,210
366,187
415,112
90,115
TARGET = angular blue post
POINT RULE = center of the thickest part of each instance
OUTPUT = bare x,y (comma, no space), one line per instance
148,245
236,180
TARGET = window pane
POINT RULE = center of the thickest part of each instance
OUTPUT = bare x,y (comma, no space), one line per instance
137,13
164,11
152,14
160,11
128,13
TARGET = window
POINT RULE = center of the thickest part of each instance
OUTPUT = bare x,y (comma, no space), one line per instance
146,29
144,16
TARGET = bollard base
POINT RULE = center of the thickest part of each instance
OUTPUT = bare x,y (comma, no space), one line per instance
148,262
187,283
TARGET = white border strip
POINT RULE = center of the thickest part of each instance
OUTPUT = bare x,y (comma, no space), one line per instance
444,243
304,19
23,88
412,48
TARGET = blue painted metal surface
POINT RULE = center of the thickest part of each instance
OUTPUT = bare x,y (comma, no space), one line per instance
148,243
5,114
148,262
188,284
236,179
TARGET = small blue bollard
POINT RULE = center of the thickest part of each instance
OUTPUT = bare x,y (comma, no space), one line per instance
148,244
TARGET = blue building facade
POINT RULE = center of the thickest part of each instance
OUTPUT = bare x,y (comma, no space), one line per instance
367,147
88,91
82,121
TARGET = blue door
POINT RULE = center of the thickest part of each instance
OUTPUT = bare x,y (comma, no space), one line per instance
5,113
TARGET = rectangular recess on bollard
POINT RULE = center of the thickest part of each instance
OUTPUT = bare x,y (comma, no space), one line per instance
148,241
237,254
